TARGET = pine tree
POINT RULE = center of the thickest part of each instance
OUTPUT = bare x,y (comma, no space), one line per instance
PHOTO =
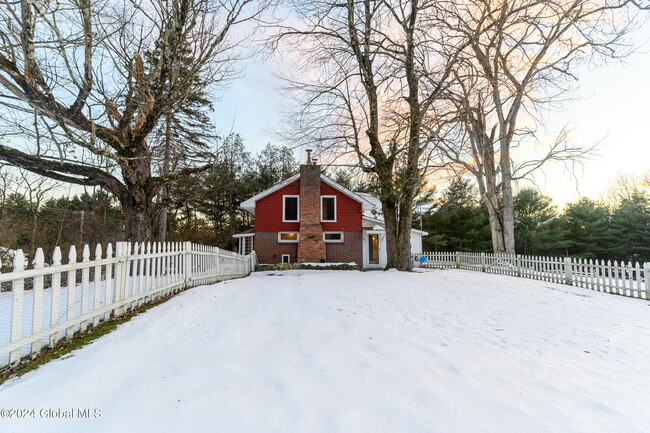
631,222
537,228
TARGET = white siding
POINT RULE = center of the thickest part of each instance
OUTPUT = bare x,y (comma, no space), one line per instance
416,242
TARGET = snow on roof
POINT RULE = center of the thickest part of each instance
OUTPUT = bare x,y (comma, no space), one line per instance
374,211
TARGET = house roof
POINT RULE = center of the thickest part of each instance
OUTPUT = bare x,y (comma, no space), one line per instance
374,211
381,222
247,232
249,205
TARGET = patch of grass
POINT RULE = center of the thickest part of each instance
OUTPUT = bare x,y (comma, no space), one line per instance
79,339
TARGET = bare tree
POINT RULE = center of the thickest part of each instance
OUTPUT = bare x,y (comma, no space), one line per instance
370,74
36,190
520,59
96,78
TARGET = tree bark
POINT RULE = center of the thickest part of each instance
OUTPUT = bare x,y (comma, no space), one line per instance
389,210
138,218
162,228
508,203
137,198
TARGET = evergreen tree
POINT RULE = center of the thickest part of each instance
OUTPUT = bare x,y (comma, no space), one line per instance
589,231
537,225
459,223
183,139
631,223
271,166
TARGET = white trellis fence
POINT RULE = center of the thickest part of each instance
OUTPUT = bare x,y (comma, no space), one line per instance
42,305
625,279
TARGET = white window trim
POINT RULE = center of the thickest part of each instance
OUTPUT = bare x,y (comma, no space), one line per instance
297,209
288,258
280,241
330,241
321,208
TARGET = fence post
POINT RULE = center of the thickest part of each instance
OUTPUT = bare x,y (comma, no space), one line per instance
646,278
121,253
518,261
482,262
218,264
457,259
568,277
187,247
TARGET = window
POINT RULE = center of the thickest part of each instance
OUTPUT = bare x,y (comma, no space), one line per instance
286,258
332,237
328,208
247,242
290,208
288,237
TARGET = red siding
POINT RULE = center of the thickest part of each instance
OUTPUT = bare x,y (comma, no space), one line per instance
268,211
348,211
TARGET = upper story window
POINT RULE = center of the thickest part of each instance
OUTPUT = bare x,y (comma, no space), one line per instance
290,208
328,208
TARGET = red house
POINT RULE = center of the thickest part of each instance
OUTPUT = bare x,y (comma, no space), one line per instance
309,218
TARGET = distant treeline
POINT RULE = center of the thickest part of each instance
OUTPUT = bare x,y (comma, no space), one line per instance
206,209
618,229
203,208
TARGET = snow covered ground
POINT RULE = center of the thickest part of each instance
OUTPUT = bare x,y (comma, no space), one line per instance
345,351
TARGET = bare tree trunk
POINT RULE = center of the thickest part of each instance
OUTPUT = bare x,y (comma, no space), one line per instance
138,220
389,210
404,240
138,201
489,191
162,228
496,225
508,203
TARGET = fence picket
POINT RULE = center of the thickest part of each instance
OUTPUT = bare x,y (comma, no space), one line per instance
56,295
109,293
17,306
72,290
628,274
97,281
85,277
37,304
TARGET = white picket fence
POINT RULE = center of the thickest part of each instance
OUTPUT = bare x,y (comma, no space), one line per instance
40,306
625,279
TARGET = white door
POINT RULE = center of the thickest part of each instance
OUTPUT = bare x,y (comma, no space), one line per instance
374,247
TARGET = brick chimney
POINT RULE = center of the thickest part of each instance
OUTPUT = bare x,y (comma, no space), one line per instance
311,247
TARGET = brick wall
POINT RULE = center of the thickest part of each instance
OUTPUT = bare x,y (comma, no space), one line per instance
311,247
269,251
349,251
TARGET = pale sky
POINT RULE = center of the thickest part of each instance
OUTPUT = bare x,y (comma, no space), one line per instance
611,106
